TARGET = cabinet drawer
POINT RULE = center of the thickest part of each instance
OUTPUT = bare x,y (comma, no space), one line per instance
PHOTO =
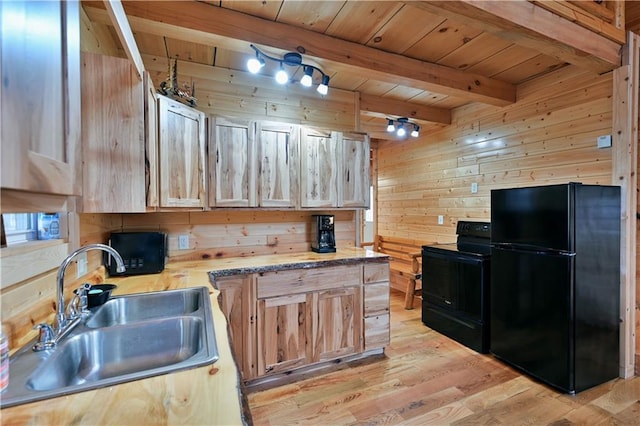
376,332
375,272
376,299
279,283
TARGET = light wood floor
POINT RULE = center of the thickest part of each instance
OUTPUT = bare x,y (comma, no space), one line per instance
427,379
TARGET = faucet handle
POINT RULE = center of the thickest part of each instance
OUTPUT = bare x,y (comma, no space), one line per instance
79,303
46,337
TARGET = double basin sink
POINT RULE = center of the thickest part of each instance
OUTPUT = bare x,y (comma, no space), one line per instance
128,338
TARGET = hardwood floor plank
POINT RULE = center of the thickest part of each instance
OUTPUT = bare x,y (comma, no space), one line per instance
426,378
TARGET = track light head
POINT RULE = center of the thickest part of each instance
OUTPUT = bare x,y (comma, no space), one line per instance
254,65
416,131
281,76
390,126
307,78
323,88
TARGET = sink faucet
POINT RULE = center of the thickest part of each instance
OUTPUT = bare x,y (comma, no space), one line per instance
49,336
61,319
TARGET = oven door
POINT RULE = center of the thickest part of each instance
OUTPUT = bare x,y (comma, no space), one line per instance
455,282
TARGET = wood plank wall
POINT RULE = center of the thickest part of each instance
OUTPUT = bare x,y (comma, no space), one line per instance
548,136
240,94
232,233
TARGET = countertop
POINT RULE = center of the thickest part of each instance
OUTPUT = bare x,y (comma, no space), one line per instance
209,395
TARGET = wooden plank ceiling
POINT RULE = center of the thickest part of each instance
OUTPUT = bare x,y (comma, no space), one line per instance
413,59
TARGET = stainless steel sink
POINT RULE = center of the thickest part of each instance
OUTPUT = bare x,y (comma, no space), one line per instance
128,338
145,306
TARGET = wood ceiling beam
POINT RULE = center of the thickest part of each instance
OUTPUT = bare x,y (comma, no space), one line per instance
531,26
392,107
121,25
224,28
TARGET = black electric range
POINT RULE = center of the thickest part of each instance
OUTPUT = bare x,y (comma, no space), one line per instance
455,286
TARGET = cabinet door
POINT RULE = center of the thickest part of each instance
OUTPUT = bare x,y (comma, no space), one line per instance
239,309
354,181
283,329
182,154
151,142
278,159
319,166
337,325
232,152
40,117
112,136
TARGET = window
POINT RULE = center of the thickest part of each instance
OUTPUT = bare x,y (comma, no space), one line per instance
22,227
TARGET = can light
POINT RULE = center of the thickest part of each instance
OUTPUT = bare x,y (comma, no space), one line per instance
400,126
289,59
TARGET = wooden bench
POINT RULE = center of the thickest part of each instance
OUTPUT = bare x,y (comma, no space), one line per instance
405,264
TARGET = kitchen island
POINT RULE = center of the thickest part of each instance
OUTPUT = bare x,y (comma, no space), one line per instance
210,394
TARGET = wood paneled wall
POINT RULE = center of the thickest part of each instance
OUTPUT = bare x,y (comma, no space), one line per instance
240,94
230,233
548,136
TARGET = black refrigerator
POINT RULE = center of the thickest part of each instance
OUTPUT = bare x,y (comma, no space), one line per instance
555,282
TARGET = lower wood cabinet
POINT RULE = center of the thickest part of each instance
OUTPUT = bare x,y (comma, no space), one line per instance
283,320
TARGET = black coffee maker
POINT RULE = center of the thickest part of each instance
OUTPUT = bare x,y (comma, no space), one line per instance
324,238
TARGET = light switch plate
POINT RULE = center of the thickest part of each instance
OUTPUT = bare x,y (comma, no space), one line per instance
604,141
474,187
440,219
81,265
183,242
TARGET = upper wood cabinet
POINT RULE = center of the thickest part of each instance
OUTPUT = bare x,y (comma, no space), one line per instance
354,181
112,136
40,114
278,145
233,171
254,164
319,168
181,155
334,169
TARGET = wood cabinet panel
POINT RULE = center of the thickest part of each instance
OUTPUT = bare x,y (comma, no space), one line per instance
375,272
284,329
112,136
232,160
277,283
354,181
40,123
182,155
376,332
151,142
337,325
319,168
376,299
278,146
236,304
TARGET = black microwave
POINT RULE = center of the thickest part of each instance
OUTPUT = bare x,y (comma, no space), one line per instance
142,252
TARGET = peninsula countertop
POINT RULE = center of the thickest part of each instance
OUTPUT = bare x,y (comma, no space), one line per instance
208,395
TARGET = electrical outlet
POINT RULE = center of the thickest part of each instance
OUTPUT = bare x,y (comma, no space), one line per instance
81,265
183,242
474,187
440,219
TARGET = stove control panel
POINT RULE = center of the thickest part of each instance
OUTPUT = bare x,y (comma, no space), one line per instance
474,229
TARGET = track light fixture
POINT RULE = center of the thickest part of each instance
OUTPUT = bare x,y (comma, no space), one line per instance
290,59
401,126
